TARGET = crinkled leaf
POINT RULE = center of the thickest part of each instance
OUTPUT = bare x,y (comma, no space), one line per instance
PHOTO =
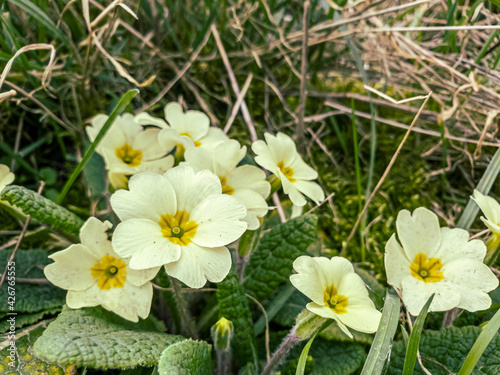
233,305
443,352
29,298
25,362
25,319
98,338
272,262
42,209
187,357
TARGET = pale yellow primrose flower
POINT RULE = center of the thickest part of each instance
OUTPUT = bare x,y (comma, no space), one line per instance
6,176
491,209
280,156
127,148
95,275
246,183
437,260
337,292
181,220
188,130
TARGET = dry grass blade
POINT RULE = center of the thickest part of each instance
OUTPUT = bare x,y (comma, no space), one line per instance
237,105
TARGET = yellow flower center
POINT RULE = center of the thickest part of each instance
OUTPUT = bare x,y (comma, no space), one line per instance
196,143
287,171
426,270
226,189
109,272
177,228
335,301
129,156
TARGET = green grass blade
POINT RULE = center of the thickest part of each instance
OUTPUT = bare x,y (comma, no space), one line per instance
412,349
487,334
301,365
120,107
275,306
38,14
382,343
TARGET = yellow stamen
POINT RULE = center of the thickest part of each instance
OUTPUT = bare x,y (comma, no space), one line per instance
177,228
110,272
226,189
287,171
334,301
426,270
128,155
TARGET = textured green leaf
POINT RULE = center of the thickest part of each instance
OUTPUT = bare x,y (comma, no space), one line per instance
443,352
272,262
25,362
233,305
30,298
98,338
187,357
42,209
26,319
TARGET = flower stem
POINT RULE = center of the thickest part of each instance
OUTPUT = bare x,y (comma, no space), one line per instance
281,353
223,361
183,310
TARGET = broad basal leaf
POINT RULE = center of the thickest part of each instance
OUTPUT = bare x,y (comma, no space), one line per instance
271,263
98,338
187,357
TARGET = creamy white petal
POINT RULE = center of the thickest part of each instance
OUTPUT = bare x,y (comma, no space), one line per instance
194,123
198,159
494,227
93,235
142,240
353,287
130,301
302,171
418,233
140,277
90,297
144,118
150,195
310,279
250,177
473,300
328,313
489,206
71,268
361,318
397,265
455,244
198,264
218,218
192,188
295,196
227,155
471,274
334,269
310,189
213,138
282,148
147,142
416,293
254,203
159,166
264,157
170,138
6,176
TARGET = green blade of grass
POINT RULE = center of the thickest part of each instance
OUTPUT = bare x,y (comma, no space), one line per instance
120,107
382,343
275,306
301,365
485,337
412,349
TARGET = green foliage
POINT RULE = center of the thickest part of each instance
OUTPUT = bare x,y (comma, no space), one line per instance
26,319
98,338
308,324
233,305
42,209
30,298
271,263
443,352
187,357
26,363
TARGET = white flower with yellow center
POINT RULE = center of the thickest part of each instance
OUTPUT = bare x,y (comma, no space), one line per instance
6,176
128,148
246,183
337,292
188,130
95,275
181,220
280,156
437,260
491,209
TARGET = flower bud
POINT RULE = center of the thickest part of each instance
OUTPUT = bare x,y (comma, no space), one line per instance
221,332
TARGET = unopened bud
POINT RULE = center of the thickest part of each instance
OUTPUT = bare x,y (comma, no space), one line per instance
222,332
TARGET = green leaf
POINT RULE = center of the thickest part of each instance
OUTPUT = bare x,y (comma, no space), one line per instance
26,363
25,319
29,298
443,352
98,338
308,324
42,209
412,349
271,263
187,357
301,365
233,305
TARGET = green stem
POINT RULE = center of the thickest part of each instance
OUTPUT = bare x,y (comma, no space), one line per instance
182,306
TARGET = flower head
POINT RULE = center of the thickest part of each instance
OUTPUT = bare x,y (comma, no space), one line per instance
6,176
181,220
490,208
95,275
188,130
246,183
128,148
437,260
337,292
279,155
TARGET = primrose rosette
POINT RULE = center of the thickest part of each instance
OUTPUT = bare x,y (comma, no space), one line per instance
180,220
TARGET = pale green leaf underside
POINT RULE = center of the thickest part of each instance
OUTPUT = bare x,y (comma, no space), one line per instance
187,357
